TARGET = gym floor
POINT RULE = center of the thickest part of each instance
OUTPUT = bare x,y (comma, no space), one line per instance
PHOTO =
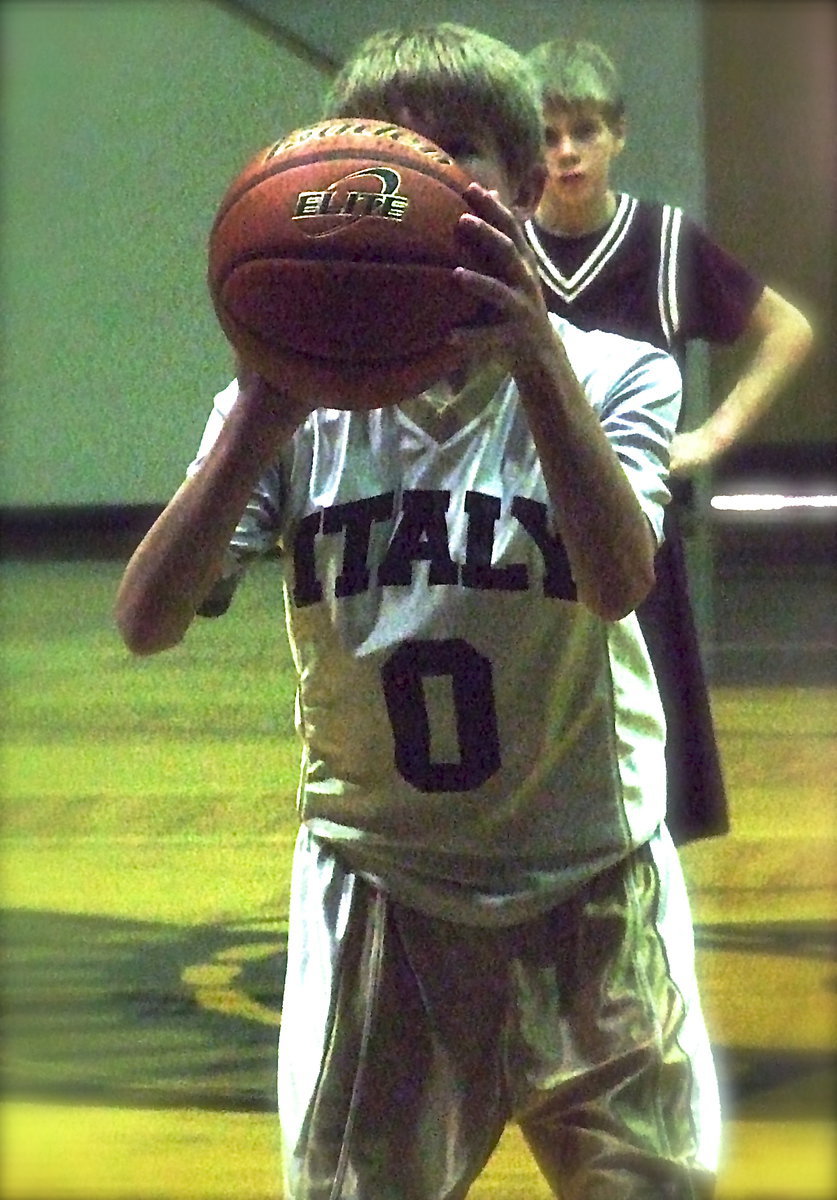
145,853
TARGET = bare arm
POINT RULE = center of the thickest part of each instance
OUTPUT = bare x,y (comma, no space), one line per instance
783,339
182,555
604,530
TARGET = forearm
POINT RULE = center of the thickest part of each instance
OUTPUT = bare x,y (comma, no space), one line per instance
775,362
182,555
783,341
605,532
176,564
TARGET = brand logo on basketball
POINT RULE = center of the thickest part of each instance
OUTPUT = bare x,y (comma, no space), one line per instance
372,192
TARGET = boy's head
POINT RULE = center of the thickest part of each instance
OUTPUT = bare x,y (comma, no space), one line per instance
584,119
578,75
449,81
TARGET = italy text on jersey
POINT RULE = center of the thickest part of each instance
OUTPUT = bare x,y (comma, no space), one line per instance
421,534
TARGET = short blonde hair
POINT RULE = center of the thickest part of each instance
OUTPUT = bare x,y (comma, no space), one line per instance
577,74
446,68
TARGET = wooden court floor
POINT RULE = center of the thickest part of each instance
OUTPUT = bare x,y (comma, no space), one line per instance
147,824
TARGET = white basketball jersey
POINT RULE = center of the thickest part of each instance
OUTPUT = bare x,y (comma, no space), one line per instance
475,740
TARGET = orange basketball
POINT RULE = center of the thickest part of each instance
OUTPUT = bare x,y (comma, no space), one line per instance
331,262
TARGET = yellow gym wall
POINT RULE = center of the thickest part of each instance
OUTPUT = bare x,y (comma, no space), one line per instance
770,84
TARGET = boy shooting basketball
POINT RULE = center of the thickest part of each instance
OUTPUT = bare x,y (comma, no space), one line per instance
488,920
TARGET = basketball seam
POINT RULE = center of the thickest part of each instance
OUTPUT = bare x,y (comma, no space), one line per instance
277,168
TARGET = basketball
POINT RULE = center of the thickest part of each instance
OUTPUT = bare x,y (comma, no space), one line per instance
331,262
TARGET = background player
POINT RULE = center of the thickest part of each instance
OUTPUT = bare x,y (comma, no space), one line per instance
487,916
608,260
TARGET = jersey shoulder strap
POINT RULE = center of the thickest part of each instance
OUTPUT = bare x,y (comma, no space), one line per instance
671,221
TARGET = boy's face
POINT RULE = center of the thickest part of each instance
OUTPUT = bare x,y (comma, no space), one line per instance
476,151
580,145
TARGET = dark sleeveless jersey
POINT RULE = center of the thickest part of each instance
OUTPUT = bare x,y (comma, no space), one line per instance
655,275
652,274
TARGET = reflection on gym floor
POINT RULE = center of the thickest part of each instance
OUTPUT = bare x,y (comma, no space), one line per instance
145,857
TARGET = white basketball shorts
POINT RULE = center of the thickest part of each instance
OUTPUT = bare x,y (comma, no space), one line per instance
407,1042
